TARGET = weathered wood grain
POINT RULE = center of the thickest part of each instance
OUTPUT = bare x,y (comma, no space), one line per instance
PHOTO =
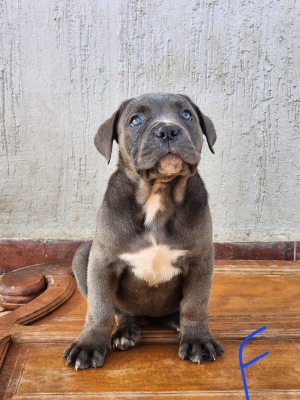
244,297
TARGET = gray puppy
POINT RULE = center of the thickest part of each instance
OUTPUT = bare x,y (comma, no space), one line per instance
152,255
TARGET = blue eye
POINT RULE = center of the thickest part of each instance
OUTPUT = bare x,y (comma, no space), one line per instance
136,121
187,115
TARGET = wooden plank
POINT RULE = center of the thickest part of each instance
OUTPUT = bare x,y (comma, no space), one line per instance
228,395
238,304
7,368
156,370
68,330
17,372
255,295
256,265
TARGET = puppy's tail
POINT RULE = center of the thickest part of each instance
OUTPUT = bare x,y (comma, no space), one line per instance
80,264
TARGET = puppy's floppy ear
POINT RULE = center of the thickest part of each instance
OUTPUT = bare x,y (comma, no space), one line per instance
208,129
107,133
207,126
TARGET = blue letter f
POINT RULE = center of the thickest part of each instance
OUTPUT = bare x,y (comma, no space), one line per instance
242,365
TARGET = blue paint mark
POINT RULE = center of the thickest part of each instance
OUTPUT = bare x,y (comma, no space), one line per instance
242,365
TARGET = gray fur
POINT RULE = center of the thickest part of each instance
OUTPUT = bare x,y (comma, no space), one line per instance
160,155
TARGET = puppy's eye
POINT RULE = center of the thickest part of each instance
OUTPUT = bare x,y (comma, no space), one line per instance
135,121
187,115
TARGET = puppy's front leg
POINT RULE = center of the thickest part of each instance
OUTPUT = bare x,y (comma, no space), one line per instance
197,342
90,348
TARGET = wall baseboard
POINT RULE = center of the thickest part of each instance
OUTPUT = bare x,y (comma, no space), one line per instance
288,251
15,253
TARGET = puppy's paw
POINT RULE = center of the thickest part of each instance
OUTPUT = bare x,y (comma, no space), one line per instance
125,337
82,356
200,349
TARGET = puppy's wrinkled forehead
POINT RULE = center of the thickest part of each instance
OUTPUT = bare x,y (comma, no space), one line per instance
164,107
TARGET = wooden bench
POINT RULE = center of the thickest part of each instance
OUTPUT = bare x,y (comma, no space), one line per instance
246,295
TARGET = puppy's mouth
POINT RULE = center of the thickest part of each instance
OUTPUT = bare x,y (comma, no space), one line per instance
167,168
170,164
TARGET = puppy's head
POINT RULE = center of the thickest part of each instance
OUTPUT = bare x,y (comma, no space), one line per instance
160,135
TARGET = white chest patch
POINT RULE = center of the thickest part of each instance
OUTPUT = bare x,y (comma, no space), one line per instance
152,206
154,263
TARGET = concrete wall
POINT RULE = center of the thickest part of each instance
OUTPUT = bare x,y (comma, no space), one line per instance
67,64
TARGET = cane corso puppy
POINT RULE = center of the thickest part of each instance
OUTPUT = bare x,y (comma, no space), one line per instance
152,255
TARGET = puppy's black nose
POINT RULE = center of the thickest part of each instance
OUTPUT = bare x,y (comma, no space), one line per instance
166,132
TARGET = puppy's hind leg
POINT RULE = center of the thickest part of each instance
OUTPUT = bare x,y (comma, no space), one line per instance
128,331
80,264
171,321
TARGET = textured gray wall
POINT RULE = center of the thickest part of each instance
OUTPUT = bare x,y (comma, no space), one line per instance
66,65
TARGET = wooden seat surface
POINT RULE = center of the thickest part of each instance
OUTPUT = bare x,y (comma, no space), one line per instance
246,295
